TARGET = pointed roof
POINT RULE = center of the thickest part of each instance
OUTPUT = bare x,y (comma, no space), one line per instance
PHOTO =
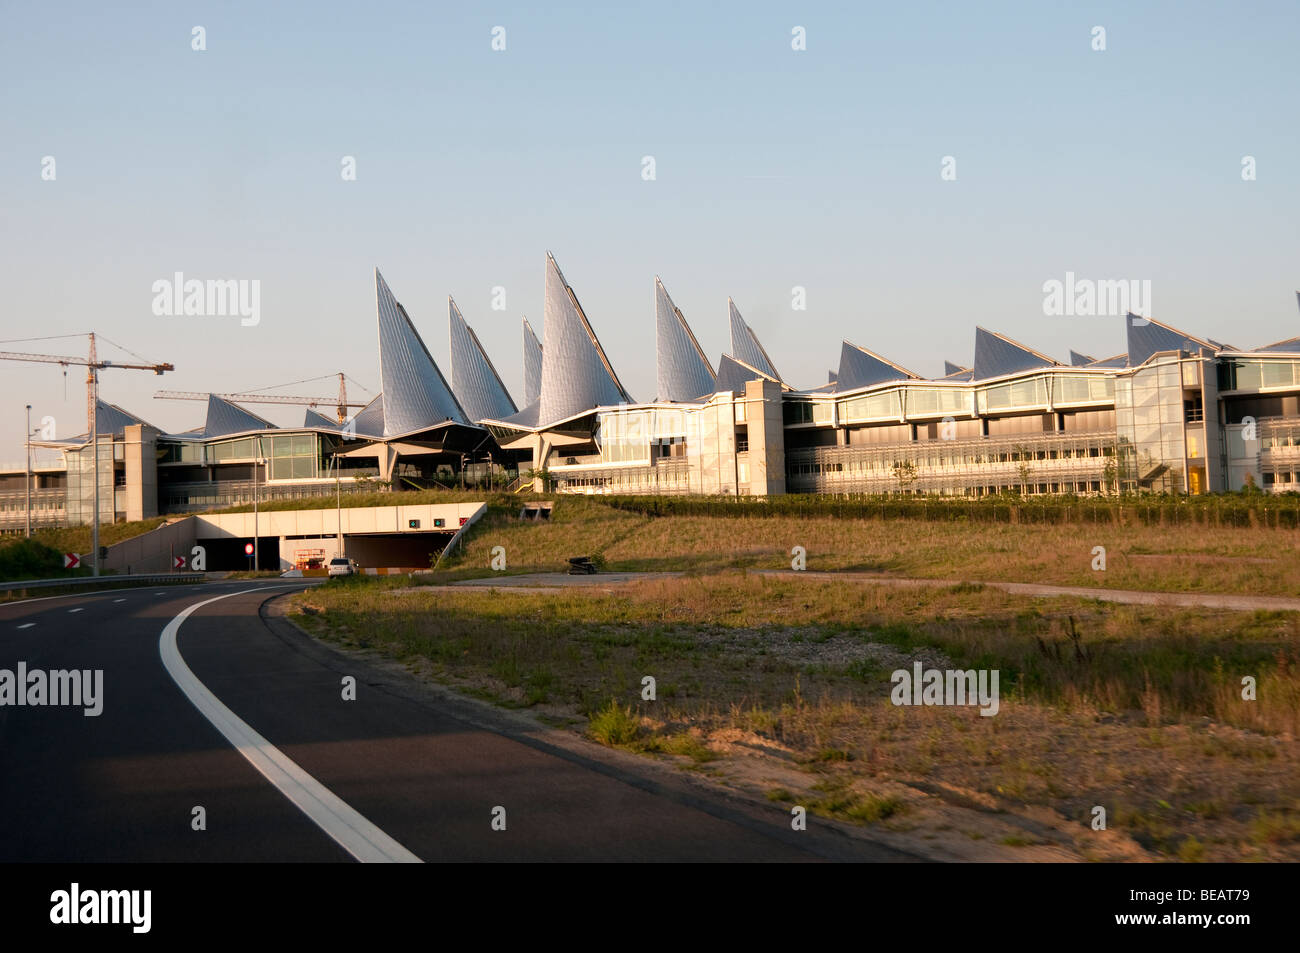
314,419
224,418
949,368
369,420
474,380
532,365
832,377
996,355
112,419
1119,360
1080,360
1146,336
683,372
415,394
745,345
576,374
860,367
733,375
1289,346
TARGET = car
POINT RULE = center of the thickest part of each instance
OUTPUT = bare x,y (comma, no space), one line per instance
342,566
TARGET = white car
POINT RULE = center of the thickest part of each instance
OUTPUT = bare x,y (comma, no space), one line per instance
342,566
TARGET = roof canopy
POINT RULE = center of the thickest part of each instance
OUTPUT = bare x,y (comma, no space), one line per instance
683,372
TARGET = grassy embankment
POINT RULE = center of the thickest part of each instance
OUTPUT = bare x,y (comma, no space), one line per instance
1134,708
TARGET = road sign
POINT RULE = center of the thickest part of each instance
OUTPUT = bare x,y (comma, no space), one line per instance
248,549
180,563
71,561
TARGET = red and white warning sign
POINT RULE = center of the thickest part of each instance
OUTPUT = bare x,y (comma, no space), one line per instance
71,561
180,563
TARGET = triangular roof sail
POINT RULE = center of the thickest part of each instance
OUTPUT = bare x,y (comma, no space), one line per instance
474,380
1146,336
112,419
683,372
949,368
1080,360
745,345
576,374
369,420
1289,346
733,375
225,417
415,394
996,355
532,365
1119,360
314,419
860,367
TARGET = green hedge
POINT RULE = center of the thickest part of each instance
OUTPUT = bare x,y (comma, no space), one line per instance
1220,510
29,559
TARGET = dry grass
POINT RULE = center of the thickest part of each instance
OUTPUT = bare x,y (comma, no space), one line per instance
1134,708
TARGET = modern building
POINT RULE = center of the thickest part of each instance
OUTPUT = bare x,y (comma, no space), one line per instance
1172,413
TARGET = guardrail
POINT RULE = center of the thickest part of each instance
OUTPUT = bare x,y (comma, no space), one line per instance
152,577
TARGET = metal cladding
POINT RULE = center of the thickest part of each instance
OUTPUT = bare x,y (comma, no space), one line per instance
532,365
576,374
1080,360
1119,360
110,418
415,394
1289,346
474,380
1146,336
733,375
745,345
861,368
225,417
369,420
314,419
996,355
683,370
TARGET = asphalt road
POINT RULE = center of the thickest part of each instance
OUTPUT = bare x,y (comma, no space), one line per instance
421,771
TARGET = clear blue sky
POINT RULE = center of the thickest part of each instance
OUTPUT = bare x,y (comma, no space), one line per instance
775,168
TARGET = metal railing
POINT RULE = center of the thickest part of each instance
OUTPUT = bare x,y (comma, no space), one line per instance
155,578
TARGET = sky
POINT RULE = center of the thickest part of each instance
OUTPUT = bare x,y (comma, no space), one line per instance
774,169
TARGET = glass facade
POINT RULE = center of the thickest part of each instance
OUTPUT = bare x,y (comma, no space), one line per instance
81,484
1149,417
1257,373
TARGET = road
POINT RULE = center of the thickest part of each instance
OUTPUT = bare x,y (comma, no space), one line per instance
399,773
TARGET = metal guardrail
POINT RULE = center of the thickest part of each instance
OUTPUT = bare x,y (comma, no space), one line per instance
152,577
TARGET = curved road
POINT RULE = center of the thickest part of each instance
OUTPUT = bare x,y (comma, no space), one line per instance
407,772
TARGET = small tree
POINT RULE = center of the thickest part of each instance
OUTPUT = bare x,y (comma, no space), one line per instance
904,473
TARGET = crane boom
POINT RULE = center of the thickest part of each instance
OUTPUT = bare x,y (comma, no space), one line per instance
93,365
341,403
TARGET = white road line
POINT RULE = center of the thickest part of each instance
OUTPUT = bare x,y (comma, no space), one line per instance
351,831
78,609
119,600
160,593
27,625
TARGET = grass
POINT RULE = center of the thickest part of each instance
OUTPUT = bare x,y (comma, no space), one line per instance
1173,557
1137,708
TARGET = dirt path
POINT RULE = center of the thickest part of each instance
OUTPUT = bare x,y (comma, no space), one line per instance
609,581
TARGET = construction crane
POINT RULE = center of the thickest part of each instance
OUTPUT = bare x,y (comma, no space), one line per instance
93,366
341,404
